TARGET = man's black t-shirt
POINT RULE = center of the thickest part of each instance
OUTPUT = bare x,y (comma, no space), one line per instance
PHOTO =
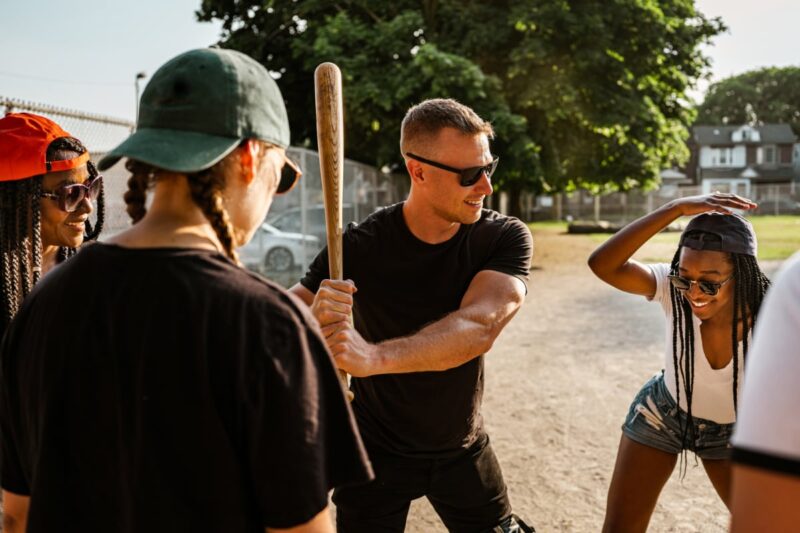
403,284
170,390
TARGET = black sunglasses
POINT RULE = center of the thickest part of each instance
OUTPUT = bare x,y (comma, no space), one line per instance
70,196
710,288
468,176
290,173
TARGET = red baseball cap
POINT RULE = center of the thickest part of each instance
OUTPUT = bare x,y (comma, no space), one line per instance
24,138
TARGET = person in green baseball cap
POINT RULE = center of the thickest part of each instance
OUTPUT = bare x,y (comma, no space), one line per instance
196,396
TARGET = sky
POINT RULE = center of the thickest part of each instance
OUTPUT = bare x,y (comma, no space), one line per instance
85,54
760,34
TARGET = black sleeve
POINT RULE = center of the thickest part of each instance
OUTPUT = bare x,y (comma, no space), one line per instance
12,477
317,271
513,252
766,461
302,437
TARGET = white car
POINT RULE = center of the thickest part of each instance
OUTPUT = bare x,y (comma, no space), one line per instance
291,220
274,250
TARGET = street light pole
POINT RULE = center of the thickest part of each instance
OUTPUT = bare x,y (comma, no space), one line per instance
139,76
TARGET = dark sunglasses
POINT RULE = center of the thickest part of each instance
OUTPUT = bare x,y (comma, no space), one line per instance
289,175
70,196
707,287
468,176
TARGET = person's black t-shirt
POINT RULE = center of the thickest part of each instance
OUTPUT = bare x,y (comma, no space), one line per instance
403,284
170,390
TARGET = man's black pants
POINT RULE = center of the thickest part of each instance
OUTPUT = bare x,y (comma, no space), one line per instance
467,491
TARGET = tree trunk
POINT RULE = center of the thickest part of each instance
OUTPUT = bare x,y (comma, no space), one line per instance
515,202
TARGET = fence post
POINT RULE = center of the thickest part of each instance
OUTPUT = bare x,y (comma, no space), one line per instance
303,258
624,202
356,184
776,198
597,208
558,206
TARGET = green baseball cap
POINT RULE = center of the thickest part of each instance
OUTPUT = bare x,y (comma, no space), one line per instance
199,106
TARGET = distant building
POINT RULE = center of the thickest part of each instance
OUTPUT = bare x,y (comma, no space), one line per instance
734,158
797,157
671,180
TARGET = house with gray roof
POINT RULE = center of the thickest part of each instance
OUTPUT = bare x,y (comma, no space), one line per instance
734,158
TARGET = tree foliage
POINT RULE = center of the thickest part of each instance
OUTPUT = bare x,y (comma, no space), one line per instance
764,95
581,92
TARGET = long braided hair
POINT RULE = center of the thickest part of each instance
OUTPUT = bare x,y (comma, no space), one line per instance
205,188
750,286
21,230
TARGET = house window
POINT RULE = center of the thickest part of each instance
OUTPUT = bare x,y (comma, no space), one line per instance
769,155
721,157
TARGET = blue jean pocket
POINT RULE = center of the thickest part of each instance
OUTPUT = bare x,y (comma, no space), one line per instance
712,435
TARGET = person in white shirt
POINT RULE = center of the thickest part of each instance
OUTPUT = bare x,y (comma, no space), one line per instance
766,444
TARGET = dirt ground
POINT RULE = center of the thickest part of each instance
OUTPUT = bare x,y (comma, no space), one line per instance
559,381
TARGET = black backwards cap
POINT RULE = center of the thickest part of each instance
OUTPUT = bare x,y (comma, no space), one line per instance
722,233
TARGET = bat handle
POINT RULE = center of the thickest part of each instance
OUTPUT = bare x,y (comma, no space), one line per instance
345,385
343,374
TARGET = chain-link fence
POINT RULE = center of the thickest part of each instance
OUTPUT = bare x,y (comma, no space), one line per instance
99,134
299,216
282,249
772,199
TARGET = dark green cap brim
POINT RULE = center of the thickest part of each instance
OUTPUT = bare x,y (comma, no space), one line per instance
174,150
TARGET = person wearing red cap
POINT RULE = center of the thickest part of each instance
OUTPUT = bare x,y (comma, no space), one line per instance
710,294
47,185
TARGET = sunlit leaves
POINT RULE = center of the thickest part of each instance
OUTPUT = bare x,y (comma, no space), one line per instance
588,93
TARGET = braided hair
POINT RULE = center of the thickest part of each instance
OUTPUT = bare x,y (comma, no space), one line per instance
21,231
750,286
205,187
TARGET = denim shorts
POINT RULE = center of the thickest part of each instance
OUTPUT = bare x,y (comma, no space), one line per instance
655,420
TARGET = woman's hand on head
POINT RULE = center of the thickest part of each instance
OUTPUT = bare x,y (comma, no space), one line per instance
718,202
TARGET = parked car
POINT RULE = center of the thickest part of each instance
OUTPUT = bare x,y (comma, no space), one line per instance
291,220
276,250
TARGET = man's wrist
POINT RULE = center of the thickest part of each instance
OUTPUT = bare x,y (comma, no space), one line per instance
379,359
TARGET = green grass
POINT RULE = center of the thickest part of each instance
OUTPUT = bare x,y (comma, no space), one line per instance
552,225
778,238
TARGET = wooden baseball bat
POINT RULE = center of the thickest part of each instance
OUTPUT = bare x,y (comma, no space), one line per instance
330,142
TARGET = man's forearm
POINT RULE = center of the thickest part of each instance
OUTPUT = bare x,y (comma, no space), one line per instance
490,302
444,344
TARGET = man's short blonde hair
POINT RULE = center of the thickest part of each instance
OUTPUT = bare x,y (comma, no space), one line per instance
425,120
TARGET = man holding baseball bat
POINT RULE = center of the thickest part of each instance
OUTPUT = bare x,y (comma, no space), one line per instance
430,282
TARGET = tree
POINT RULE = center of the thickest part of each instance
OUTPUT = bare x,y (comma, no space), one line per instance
764,95
581,92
